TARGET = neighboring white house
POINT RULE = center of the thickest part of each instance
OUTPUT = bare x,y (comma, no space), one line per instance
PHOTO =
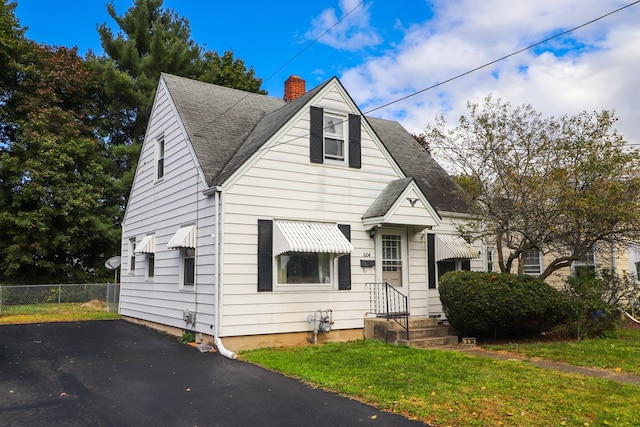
250,213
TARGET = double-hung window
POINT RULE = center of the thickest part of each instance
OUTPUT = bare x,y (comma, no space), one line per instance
160,157
184,239
188,267
585,267
334,136
532,262
132,255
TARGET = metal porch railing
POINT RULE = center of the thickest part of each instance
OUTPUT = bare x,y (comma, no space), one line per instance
388,302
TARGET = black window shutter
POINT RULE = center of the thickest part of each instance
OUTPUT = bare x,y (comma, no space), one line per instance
265,255
354,141
431,260
344,262
316,141
466,265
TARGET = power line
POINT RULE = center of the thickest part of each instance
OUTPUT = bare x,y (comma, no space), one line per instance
500,59
477,68
445,81
314,41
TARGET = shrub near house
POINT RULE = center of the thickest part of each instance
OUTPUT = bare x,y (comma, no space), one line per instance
501,304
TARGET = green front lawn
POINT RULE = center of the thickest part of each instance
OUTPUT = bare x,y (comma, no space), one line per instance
620,354
449,388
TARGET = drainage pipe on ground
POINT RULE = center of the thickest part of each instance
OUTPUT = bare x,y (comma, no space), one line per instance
222,350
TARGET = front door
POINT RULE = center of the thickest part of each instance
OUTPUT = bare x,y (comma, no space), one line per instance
391,255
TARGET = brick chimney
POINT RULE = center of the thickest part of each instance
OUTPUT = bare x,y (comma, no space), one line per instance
294,87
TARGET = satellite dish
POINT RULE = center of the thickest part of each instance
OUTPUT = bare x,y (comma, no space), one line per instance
112,263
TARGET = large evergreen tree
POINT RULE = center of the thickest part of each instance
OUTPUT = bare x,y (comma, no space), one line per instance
152,40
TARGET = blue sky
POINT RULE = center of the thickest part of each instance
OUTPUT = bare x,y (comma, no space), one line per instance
386,49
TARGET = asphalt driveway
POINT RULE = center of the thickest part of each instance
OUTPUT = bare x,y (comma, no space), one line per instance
114,373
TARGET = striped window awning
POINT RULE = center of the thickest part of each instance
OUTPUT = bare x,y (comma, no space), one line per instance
317,237
185,237
453,247
147,245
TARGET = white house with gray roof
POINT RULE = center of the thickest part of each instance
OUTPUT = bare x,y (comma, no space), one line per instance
263,221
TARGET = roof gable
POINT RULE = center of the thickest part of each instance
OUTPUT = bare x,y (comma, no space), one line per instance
227,126
401,199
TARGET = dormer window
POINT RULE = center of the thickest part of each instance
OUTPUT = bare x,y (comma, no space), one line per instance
334,137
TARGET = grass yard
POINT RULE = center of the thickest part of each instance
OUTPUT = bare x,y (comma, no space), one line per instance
69,312
447,388
620,353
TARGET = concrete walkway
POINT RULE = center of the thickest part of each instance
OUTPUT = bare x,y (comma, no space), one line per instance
547,364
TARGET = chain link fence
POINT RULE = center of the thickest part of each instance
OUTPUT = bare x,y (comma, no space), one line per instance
53,298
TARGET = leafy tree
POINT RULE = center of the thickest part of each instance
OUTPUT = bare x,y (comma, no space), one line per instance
12,44
564,186
152,40
56,225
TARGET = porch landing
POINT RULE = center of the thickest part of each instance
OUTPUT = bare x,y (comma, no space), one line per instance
423,332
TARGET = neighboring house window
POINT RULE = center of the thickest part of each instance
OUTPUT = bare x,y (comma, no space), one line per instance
532,262
490,259
585,267
188,267
335,137
634,260
160,157
132,255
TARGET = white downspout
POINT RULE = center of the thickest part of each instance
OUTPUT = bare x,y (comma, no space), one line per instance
426,262
218,244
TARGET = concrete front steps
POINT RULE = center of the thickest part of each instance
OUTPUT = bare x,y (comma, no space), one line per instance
423,332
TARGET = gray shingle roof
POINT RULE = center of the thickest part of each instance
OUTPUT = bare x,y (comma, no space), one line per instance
436,184
387,198
226,126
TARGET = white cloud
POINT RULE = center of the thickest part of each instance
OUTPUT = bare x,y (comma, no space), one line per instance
593,68
352,33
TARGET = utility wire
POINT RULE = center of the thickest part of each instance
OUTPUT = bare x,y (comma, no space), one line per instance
314,41
445,81
500,59
473,70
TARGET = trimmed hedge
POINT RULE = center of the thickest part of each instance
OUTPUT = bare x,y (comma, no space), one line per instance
501,304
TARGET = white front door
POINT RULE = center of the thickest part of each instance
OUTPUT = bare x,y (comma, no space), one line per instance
391,256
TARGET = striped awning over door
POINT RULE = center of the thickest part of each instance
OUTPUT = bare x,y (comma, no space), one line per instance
318,237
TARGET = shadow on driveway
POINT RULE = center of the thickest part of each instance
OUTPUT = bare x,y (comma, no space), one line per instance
114,373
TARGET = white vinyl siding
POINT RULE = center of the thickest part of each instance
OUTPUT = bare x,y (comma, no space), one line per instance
162,207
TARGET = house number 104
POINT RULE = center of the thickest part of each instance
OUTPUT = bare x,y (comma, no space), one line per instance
366,255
